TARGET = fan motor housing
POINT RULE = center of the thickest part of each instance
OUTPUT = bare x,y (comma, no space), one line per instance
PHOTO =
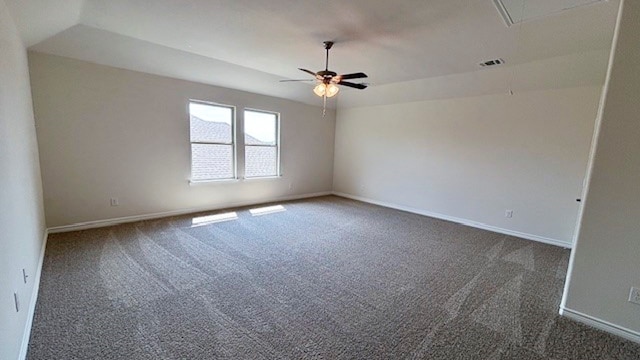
326,73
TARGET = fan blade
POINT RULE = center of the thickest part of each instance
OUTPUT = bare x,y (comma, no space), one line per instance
297,80
357,75
353,85
308,72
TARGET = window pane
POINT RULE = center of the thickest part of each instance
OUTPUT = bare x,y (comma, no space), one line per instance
210,162
260,128
261,161
210,123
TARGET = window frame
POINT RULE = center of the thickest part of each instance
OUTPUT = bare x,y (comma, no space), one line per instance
234,142
277,145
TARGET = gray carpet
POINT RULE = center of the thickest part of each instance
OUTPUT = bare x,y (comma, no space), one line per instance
326,278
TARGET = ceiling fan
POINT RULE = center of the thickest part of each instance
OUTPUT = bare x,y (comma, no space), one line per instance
328,81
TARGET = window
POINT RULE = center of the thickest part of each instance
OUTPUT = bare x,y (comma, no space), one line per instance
261,139
212,141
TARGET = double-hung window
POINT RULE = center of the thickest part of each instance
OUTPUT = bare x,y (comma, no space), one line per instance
212,141
262,144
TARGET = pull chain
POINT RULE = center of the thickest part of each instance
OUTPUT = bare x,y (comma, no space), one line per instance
324,106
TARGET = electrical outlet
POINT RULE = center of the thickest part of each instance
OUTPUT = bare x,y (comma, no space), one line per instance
114,202
508,213
634,296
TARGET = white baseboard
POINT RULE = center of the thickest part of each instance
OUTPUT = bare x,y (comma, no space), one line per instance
601,324
466,222
32,302
126,219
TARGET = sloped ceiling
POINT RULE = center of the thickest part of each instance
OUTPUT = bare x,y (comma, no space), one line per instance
250,44
38,20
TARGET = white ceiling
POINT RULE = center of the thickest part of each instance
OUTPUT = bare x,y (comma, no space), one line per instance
250,44
514,9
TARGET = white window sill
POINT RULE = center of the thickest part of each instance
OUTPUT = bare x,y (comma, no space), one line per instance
214,181
275,177
232,181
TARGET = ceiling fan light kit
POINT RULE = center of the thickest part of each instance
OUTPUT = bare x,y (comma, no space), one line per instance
328,81
328,90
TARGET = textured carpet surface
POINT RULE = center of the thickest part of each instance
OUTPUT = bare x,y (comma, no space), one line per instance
326,278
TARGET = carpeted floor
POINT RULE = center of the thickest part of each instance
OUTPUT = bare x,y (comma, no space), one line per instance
325,278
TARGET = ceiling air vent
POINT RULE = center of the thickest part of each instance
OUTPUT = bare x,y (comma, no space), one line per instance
494,62
517,11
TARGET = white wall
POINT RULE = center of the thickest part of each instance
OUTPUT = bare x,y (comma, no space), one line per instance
473,158
105,132
606,258
21,214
